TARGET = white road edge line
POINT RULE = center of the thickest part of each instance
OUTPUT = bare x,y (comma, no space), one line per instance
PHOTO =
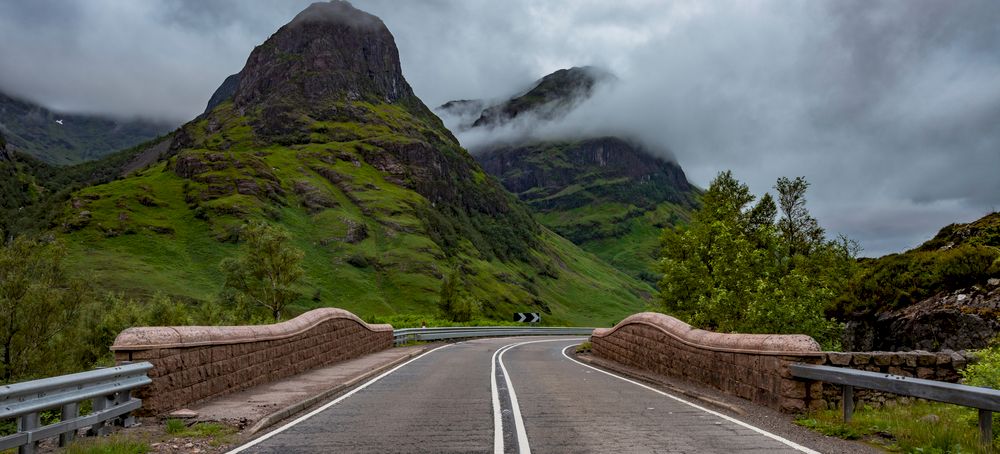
522,434
329,404
763,432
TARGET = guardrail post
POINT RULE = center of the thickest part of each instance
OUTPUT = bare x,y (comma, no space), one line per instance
100,428
847,402
69,411
128,420
28,423
986,427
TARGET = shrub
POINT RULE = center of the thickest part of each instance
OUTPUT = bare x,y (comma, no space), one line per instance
985,371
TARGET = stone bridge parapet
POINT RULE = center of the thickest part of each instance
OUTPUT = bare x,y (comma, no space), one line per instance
751,366
193,363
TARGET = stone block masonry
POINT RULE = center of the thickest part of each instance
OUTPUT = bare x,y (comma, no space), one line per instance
755,366
194,363
941,366
751,366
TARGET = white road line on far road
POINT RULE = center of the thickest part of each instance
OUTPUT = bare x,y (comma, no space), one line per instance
497,418
522,434
763,432
330,404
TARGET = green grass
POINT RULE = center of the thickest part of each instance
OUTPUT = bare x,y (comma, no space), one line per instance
906,427
219,433
114,444
624,236
157,231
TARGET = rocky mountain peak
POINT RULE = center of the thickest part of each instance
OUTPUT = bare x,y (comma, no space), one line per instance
337,12
548,98
329,52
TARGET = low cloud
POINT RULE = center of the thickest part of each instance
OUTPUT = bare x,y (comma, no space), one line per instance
888,108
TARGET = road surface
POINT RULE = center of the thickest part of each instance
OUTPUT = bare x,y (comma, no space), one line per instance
512,395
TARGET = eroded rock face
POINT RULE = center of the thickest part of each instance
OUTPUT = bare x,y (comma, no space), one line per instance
622,171
967,319
329,51
3,149
224,93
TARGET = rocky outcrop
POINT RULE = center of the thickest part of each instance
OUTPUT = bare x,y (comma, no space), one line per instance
224,93
966,319
329,51
615,169
332,76
552,96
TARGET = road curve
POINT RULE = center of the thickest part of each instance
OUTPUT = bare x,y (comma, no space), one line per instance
453,399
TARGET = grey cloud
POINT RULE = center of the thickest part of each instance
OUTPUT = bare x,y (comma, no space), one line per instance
888,108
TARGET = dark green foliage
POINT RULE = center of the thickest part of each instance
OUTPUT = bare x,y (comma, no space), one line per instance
39,304
899,280
32,193
34,131
734,269
455,303
267,270
985,371
959,256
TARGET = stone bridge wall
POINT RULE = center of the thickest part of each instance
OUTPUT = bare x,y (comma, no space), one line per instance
941,366
193,363
751,366
755,366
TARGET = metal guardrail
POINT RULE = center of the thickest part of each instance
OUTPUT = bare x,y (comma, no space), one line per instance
986,400
109,389
403,336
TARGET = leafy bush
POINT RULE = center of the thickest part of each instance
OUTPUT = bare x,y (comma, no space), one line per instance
985,371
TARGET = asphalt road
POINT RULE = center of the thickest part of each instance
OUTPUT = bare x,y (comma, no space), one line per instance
458,399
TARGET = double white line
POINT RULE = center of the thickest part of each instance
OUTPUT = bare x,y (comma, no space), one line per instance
522,436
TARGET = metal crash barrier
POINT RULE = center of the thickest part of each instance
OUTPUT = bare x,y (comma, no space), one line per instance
403,336
109,390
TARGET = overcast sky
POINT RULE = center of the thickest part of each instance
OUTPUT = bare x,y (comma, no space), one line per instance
890,109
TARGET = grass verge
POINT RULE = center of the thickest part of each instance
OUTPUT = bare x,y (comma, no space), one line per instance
921,427
218,433
114,444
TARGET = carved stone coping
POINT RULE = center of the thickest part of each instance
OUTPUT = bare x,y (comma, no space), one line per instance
759,344
158,337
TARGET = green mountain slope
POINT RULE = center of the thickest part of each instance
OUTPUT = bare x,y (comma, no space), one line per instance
324,137
64,139
609,195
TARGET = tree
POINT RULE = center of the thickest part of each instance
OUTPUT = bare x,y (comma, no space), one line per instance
801,232
454,303
267,270
38,303
734,269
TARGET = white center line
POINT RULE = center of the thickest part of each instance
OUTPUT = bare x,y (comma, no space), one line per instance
522,434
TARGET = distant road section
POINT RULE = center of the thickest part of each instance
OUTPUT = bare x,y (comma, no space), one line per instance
512,395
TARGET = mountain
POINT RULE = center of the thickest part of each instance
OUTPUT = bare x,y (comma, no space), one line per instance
323,136
63,139
943,294
609,195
